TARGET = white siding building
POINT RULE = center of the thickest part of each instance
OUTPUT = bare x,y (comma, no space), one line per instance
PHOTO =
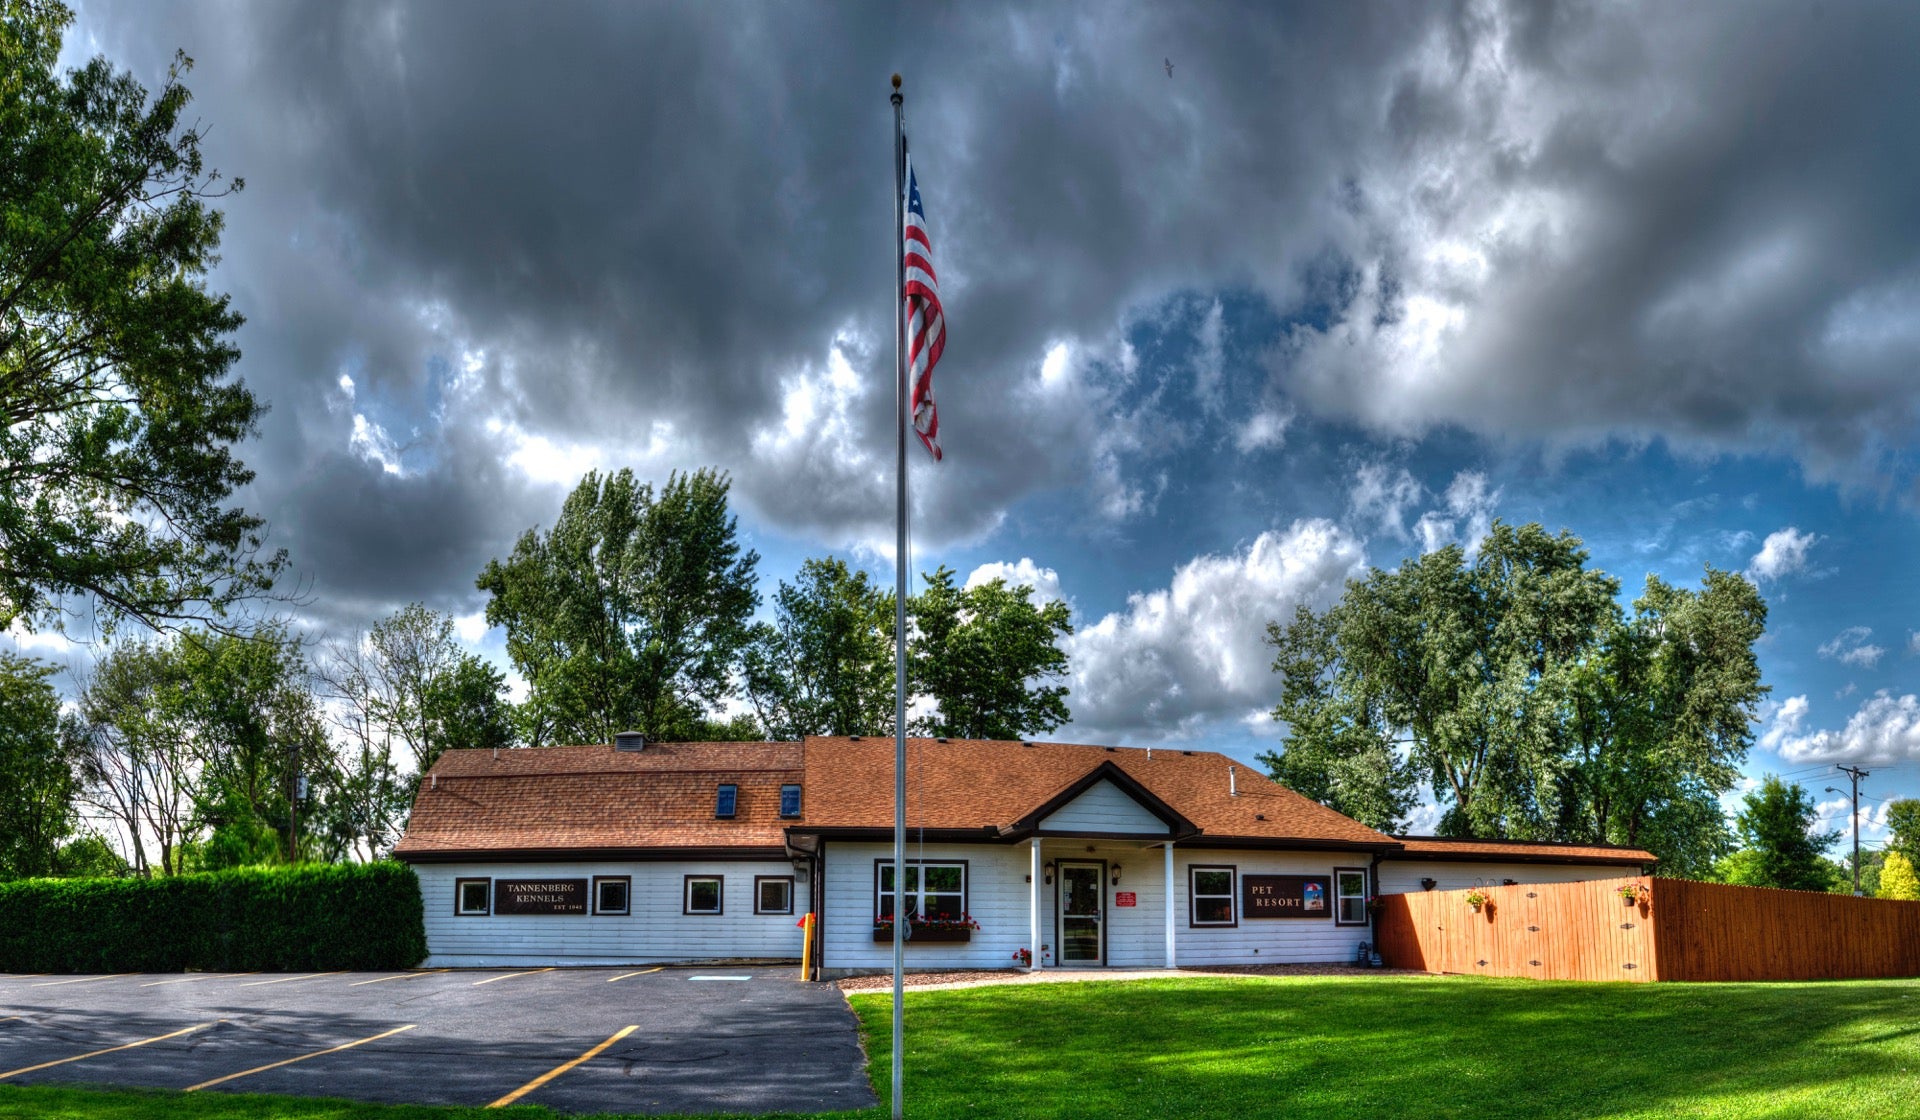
1043,855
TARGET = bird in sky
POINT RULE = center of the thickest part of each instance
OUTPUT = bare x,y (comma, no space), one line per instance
1169,68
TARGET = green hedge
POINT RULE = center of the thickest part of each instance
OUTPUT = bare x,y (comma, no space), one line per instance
307,918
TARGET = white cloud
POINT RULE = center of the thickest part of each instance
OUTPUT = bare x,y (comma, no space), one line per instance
1195,651
1057,365
1263,431
1468,516
371,442
1850,647
1382,496
1885,730
471,627
1831,815
1913,642
1024,572
1785,721
1209,360
1782,554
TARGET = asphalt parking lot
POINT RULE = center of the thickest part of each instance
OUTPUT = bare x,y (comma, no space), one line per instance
578,1040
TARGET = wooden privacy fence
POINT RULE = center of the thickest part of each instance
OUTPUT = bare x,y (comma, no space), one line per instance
1682,931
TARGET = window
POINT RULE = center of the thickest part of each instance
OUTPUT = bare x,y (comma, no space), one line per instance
725,801
703,894
611,893
934,890
1350,888
790,800
773,894
470,897
1210,896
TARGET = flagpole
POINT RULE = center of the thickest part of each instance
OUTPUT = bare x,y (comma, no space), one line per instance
899,597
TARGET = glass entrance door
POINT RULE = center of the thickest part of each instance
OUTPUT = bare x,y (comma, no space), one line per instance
1081,912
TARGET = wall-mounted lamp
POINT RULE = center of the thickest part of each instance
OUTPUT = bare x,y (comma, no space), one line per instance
1049,872
1429,884
1116,874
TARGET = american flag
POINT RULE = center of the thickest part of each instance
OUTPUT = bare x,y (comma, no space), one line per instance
926,322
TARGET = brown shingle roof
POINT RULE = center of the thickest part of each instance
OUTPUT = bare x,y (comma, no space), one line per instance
570,799
968,784
597,798
1531,851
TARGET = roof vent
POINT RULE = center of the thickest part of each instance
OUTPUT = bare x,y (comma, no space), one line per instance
853,738
1113,750
1189,754
941,739
629,741
1259,816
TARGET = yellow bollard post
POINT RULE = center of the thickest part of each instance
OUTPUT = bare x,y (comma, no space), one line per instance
806,947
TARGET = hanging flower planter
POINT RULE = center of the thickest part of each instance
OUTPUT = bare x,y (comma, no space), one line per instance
1635,893
1476,900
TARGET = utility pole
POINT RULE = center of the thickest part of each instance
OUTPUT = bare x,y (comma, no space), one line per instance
1855,773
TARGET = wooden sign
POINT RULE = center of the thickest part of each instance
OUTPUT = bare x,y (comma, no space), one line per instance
1286,896
539,896
1124,898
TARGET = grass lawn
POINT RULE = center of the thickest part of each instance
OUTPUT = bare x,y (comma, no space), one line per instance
1325,1048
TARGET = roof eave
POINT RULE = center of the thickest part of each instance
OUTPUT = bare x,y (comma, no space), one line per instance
587,854
1523,857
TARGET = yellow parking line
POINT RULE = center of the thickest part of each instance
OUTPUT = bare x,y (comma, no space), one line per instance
301,1058
400,976
81,980
642,972
208,976
291,979
511,975
560,1069
108,1050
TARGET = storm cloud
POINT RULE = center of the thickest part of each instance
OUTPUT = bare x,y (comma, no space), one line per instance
540,239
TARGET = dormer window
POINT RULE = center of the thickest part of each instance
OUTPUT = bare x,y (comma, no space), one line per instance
725,800
790,800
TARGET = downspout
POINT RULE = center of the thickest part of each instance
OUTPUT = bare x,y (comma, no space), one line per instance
818,873
1373,891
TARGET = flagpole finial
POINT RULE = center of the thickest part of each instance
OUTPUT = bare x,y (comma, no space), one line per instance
896,81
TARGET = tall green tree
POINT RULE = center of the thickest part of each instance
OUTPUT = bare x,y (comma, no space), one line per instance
824,666
1341,749
1781,848
1512,681
401,694
1658,717
117,411
1903,826
138,763
986,656
195,745
37,778
631,613
257,728
1464,658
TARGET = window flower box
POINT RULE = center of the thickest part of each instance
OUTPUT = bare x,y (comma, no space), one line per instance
934,932
924,935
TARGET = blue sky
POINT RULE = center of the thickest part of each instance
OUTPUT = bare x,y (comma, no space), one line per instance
1349,283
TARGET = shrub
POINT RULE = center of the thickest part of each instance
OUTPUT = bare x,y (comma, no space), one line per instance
303,918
